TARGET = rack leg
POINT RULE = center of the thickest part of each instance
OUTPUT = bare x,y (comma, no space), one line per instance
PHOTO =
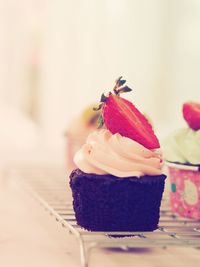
83,254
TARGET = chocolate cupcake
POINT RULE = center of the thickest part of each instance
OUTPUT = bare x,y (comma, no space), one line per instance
109,203
119,183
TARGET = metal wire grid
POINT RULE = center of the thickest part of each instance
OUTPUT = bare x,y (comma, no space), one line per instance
49,187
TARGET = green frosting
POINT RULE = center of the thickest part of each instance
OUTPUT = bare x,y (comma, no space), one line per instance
183,146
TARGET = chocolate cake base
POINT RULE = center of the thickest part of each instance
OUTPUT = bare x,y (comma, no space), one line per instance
110,203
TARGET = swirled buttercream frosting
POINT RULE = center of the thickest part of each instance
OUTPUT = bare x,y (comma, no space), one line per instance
106,153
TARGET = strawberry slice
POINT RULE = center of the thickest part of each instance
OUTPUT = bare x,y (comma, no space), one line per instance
121,116
191,113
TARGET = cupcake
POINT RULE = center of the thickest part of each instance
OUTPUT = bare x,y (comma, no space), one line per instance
182,154
77,132
118,183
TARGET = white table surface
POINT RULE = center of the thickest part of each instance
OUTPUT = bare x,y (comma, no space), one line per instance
30,237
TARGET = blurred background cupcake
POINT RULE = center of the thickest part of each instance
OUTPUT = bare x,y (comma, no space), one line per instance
182,154
78,130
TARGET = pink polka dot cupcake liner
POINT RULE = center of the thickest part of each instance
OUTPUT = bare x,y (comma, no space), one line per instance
185,190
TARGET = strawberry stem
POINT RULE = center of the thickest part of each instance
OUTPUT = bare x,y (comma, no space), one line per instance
118,89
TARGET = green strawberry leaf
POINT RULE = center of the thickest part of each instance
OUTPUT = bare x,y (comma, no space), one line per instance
103,98
100,122
98,108
125,89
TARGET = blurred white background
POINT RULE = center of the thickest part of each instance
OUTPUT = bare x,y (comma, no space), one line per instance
58,56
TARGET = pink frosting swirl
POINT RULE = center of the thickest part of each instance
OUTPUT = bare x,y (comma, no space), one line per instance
106,153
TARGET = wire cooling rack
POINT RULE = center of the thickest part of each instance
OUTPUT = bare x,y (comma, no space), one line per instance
50,188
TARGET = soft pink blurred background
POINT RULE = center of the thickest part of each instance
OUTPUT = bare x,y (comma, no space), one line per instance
58,56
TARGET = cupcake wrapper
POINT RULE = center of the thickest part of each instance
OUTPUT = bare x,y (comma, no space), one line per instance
109,203
185,191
